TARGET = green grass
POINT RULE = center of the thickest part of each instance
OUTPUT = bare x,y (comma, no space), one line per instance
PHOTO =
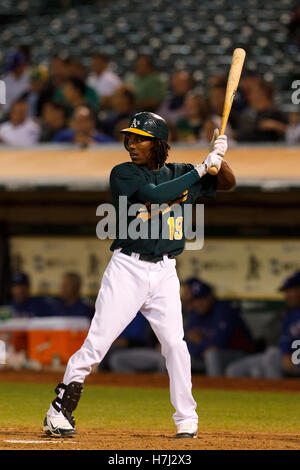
23,404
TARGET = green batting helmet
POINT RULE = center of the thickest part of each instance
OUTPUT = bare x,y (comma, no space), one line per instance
148,124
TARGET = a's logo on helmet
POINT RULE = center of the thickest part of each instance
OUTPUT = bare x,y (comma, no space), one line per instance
135,123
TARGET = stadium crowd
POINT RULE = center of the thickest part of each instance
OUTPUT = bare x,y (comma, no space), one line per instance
219,340
66,102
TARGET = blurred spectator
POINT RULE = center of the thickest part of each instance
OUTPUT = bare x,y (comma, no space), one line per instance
26,51
173,108
249,80
216,104
103,79
19,130
215,333
217,92
261,121
216,99
148,88
123,102
37,94
70,303
23,304
207,131
16,78
188,127
132,351
82,130
187,294
217,79
75,93
292,134
53,121
59,73
77,69
276,361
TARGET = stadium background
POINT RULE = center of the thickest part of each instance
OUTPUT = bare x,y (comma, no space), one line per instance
49,194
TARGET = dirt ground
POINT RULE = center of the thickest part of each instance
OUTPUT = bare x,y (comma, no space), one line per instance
142,440
11,438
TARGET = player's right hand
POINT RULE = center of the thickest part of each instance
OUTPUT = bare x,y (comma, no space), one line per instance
219,143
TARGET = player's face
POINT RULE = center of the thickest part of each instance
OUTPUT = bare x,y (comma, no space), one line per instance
139,148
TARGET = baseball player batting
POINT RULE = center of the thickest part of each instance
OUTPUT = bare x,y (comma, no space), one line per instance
141,275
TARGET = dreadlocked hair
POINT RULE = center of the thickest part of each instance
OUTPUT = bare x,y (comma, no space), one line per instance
158,154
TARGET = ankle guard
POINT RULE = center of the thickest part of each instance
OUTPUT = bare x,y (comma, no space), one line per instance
69,401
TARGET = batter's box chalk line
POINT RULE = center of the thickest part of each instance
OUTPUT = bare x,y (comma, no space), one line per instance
19,441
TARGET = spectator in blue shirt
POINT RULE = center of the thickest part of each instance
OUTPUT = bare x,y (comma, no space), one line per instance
82,130
23,304
70,303
215,333
281,360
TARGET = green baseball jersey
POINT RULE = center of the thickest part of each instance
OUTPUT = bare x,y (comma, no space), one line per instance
127,179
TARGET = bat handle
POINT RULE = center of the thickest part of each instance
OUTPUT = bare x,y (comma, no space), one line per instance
213,170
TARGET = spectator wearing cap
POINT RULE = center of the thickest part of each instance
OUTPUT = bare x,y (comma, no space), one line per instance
70,303
20,130
147,85
215,333
277,360
82,130
23,304
103,79
16,77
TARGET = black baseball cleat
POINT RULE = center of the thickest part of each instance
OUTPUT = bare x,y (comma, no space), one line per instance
58,426
186,430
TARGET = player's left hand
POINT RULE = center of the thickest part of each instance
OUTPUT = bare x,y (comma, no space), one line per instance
213,159
218,143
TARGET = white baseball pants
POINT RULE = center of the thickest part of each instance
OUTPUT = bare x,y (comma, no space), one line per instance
130,285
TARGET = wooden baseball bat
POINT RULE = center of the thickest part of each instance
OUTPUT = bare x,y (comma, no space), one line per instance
235,71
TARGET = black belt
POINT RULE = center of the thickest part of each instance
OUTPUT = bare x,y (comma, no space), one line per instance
148,257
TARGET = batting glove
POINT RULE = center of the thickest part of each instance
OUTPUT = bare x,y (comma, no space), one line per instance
218,143
212,159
